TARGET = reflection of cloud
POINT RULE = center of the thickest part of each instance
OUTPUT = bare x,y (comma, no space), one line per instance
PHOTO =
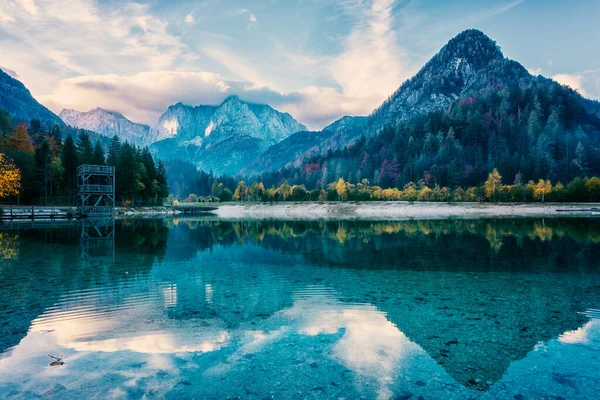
589,333
371,345
90,327
153,343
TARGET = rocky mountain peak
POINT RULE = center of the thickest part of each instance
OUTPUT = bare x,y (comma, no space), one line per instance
472,46
107,123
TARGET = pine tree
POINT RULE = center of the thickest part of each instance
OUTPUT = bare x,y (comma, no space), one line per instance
70,162
42,167
84,148
113,151
98,154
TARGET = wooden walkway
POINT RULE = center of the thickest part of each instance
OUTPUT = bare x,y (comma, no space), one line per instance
39,213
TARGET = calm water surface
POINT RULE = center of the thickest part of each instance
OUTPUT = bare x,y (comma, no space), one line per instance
200,308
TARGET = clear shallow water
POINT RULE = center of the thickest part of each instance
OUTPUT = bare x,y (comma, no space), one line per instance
196,308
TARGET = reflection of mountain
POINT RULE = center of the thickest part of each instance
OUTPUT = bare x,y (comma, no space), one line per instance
224,307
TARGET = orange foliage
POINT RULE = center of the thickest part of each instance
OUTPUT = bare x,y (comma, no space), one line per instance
20,140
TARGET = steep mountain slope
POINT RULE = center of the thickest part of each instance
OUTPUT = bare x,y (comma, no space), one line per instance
20,104
469,110
469,62
300,145
286,151
222,138
107,123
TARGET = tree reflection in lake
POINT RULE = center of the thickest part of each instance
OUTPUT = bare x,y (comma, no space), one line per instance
261,306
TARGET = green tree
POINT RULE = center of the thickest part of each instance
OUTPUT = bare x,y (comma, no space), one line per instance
70,161
42,164
98,154
114,149
128,182
84,148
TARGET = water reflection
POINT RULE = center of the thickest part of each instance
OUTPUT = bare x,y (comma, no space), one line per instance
215,309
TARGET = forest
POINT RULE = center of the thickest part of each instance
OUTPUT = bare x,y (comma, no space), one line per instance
39,167
534,139
527,131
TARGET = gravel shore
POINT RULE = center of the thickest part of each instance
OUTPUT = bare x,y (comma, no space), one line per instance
403,210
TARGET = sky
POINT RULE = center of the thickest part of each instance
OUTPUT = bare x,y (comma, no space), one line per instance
316,59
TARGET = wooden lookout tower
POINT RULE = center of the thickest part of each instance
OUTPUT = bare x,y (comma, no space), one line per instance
96,185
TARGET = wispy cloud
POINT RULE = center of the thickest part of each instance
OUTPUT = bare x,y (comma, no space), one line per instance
5,18
502,9
252,18
189,19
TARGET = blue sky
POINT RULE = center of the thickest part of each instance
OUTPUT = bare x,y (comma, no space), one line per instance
317,59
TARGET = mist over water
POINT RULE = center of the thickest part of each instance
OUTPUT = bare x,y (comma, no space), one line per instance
207,308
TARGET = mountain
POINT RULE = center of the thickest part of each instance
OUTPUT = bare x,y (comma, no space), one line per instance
20,104
107,123
467,62
296,147
222,138
284,152
467,111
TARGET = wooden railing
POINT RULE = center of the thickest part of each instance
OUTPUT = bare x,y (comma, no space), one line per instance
96,189
95,169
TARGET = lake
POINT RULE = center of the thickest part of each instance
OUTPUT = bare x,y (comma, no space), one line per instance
212,309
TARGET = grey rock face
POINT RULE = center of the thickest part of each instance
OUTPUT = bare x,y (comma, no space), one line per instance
108,123
222,138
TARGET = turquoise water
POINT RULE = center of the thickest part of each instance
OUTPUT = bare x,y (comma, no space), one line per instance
209,309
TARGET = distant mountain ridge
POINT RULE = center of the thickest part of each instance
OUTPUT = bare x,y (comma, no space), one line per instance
107,123
20,104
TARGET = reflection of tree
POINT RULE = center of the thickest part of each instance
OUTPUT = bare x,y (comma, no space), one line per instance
508,244
49,265
9,246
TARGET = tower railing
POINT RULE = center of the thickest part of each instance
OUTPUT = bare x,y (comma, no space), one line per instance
96,186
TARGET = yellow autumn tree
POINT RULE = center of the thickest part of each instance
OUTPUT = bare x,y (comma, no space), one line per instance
542,188
10,177
340,187
492,184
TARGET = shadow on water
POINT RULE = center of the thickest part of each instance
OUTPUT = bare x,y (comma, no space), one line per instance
470,297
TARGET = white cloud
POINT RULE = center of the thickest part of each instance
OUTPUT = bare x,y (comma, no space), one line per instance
549,62
189,19
534,71
573,81
141,97
252,18
5,18
88,39
371,66
29,6
10,72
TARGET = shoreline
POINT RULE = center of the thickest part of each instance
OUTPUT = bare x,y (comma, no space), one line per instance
402,210
397,210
